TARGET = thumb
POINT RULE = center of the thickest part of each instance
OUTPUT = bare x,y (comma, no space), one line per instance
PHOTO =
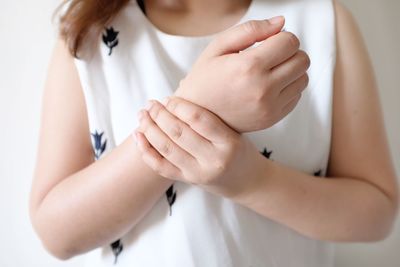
244,35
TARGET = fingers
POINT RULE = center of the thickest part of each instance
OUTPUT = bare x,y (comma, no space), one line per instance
243,36
290,106
178,131
290,70
297,87
200,119
154,160
276,49
162,143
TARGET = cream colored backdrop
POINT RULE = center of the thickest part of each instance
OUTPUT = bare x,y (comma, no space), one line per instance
27,38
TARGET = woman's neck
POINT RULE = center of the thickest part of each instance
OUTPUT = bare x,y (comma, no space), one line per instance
202,6
195,17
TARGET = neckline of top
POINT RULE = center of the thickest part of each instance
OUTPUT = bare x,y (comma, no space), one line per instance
163,34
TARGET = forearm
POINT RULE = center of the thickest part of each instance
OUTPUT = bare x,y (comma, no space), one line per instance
98,204
333,209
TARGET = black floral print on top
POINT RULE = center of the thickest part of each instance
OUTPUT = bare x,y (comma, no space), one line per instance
266,153
318,173
99,145
117,248
171,196
98,149
110,39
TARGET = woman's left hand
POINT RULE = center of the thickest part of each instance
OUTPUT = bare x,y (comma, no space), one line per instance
183,141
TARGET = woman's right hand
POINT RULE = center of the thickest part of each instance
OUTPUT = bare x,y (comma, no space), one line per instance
249,89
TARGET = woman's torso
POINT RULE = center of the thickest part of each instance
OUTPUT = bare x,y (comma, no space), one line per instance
135,62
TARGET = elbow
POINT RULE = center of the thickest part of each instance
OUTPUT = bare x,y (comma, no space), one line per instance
380,233
386,227
383,212
59,251
390,216
374,221
382,223
57,247
52,240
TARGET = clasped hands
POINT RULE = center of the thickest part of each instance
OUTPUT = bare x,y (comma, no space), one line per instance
195,135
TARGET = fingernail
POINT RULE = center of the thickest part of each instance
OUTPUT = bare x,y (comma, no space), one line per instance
149,104
276,20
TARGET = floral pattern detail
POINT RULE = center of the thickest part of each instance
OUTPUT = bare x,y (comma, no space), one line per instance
117,248
318,173
99,145
110,39
171,196
266,153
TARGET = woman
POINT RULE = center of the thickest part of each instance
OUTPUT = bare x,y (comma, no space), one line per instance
250,161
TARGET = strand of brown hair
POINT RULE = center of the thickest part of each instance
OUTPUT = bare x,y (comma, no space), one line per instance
83,20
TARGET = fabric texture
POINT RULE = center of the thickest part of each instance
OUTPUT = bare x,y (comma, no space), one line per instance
135,62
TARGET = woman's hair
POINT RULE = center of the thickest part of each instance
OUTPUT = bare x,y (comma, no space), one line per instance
84,20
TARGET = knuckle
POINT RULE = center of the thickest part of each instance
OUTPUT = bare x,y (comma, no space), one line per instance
155,110
249,66
260,96
306,80
172,104
305,59
297,98
266,112
196,116
255,61
292,38
176,131
166,148
144,122
264,93
252,27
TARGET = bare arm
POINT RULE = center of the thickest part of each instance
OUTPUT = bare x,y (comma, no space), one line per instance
359,200
77,204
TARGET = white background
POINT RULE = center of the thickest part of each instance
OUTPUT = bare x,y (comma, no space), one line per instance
27,37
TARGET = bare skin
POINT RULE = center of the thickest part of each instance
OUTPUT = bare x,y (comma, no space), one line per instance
192,13
86,223
358,202
93,217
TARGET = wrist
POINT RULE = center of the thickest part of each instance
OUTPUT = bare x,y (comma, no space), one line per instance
258,174
242,182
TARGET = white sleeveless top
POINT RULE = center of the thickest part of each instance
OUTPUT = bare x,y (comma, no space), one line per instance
188,226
